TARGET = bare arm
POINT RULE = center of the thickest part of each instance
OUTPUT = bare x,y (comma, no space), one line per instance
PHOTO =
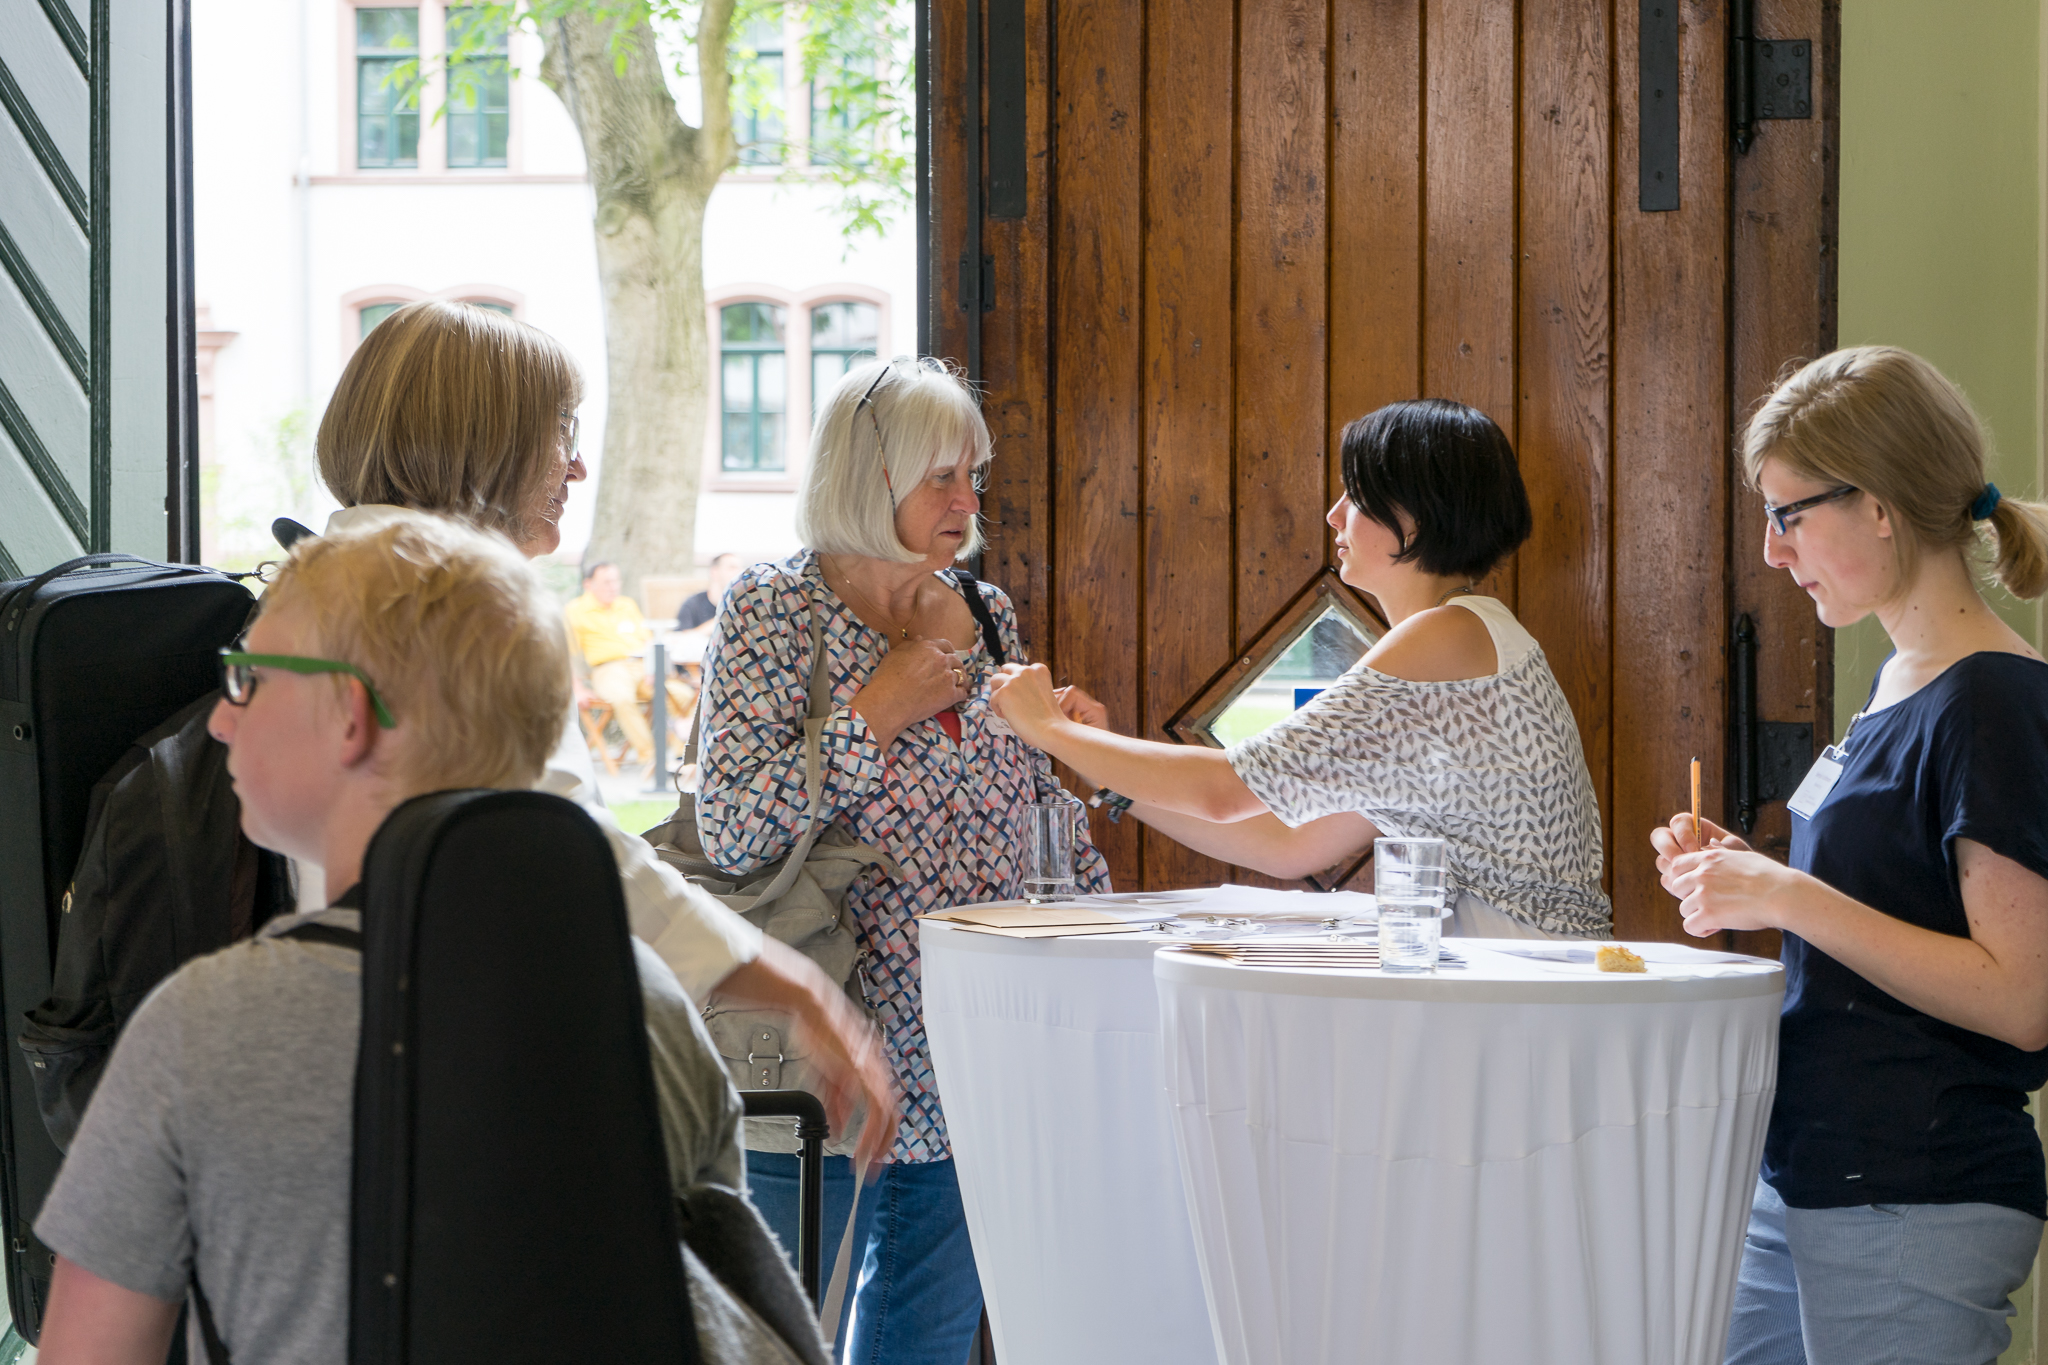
1181,779
92,1321
1264,844
1995,982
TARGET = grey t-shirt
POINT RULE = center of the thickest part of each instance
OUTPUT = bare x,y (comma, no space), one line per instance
221,1133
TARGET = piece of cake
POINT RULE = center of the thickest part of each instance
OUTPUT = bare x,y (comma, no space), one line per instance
1612,957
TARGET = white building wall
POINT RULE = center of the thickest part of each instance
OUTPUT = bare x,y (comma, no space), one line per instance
291,237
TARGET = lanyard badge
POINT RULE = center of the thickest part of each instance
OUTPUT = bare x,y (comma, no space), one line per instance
1823,775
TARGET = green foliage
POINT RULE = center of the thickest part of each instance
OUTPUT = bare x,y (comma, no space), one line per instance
856,55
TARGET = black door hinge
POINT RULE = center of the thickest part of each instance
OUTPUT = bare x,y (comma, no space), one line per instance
979,287
1768,77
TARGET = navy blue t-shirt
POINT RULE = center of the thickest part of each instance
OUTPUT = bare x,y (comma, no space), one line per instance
1877,1102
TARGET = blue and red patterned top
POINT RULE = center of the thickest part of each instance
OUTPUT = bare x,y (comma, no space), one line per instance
949,813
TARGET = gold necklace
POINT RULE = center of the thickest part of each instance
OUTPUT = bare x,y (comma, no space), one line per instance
1454,592
880,616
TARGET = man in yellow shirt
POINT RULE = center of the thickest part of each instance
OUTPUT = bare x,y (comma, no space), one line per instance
610,635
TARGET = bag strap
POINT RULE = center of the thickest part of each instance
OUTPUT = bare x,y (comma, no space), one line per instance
209,1334
842,1265
970,588
333,935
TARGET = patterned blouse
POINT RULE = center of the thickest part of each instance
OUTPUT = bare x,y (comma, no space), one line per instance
1492,766
948,813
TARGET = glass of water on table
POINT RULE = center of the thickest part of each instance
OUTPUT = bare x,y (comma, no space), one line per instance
1409,883
1049,852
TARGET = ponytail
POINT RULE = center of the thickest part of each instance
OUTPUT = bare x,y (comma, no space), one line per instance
2019,531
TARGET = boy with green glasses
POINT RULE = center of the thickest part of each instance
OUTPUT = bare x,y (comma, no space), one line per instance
216,1152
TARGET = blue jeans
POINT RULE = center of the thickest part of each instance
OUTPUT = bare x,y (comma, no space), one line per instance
919,1299
1916,1284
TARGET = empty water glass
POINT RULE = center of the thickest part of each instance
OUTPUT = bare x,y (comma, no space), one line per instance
1049,851
1410,884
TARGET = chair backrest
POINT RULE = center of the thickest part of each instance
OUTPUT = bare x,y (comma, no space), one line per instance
512,1200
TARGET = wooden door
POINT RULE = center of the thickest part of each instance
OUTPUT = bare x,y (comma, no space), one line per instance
1244,225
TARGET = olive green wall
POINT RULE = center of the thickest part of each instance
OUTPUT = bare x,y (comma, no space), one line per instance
1941,229
1941,252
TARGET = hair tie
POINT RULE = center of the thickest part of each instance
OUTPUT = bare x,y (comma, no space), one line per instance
1986,503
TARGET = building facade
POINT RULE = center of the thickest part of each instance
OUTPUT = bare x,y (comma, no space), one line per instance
329,191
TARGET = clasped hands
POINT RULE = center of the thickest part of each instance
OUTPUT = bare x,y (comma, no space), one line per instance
1720,881
1023,695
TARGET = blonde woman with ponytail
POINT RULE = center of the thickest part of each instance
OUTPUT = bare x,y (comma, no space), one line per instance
1902,1192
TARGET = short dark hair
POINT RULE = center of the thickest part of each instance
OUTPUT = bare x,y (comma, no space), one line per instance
1452,471
590,569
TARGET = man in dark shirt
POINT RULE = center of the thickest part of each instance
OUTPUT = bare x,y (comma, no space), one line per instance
701,609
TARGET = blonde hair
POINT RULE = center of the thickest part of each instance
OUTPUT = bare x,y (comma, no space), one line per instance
455,632
1889,423
926,413
447,407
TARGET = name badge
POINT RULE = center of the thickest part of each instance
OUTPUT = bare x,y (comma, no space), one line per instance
1820,780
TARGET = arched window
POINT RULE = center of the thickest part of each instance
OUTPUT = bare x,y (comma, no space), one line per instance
842,336
371,314
752,386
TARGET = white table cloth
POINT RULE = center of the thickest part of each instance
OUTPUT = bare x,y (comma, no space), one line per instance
1520,1161
1047,1054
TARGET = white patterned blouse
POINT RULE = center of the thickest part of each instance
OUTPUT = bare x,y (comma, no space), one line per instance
1492,765
951,814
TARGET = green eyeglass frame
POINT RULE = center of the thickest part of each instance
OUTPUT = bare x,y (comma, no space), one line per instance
238,678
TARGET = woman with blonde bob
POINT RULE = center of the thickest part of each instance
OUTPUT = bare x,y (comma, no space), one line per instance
914,764
1902,1193
447,407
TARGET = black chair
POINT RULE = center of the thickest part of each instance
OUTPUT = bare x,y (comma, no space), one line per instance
512,1200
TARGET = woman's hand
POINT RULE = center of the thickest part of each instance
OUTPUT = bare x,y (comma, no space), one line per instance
918,679
1731,888
1682,836
1078,706
1023,695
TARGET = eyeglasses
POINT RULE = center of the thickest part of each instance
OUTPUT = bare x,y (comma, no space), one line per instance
980,475
238,677
1777,515
571,429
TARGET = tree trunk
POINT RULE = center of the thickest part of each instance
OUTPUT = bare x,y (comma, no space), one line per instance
652,175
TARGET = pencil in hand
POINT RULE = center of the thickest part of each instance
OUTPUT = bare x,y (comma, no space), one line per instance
1699,832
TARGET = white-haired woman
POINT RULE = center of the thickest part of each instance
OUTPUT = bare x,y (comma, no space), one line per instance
1902,1192
915,764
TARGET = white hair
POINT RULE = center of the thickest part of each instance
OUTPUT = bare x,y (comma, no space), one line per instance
925,413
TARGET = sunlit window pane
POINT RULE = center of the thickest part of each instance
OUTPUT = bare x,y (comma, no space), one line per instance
752,386
387,105
479,90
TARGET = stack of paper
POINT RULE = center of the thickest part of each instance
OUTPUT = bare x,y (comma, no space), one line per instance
1017,919
1360,953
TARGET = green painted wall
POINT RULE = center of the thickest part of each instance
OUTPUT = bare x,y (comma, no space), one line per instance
1941,232
1941,249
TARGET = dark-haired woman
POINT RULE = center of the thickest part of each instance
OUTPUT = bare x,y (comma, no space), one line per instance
1451,726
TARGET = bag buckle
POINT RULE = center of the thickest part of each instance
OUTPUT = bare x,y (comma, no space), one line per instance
764,1068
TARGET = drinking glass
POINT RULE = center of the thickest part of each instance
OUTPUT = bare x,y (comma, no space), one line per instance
1048,852
1409,882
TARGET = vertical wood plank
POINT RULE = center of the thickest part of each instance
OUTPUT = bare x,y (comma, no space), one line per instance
1190,104
1097,309
1564,341
1671,445
1016,367
952,198
1782,260
1468,335
1282,283
1375,214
